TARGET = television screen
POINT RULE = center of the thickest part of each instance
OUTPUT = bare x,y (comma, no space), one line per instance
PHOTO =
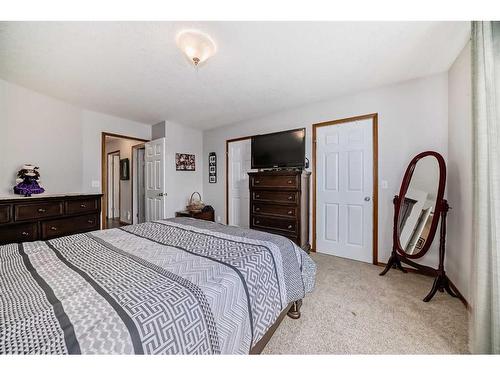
278,150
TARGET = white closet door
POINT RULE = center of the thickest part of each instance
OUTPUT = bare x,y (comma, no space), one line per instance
116,186
155,189
239,193
344,189
110,186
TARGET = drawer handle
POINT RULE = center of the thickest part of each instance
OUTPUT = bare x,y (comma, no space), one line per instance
257,221
290,197
290,212
290,226
257,181
53,228
290,181
25,234
83,205
257,208
90,221
42,210
257,196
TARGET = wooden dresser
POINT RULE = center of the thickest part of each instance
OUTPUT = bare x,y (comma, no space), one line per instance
279,203
48,216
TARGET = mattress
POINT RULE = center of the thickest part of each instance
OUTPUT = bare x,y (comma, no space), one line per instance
177,286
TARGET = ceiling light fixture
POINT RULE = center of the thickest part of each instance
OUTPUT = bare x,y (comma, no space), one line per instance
197,46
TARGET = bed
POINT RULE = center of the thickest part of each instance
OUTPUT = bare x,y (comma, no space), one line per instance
177,286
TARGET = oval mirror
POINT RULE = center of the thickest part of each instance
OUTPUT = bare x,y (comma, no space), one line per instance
419,204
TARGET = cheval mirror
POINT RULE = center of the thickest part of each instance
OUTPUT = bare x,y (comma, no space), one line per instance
417,210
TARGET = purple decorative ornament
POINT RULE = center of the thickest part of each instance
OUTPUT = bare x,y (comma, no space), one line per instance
27,187
27,179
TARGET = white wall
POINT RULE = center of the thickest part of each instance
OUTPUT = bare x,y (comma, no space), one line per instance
413,117
125,148
39,130
181,184
63,140
459,238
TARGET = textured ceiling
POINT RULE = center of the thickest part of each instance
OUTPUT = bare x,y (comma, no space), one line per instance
134,69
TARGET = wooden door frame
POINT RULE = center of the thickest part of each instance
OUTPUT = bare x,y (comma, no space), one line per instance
227,171
104,171
136,147
374,118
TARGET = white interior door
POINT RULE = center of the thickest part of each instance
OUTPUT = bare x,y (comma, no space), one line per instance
116,186
155,189
141,197
344,189
239,192
110,186
113,186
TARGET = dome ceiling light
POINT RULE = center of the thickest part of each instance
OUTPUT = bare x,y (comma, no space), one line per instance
197,46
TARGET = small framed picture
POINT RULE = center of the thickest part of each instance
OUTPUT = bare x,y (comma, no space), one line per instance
124,169
212,168
185,162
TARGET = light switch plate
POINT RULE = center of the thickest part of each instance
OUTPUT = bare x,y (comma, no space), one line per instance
384,184
96,184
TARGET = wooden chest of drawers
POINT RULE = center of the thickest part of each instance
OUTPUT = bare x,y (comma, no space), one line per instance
279,203
44,217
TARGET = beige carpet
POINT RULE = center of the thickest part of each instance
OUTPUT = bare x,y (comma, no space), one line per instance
354,311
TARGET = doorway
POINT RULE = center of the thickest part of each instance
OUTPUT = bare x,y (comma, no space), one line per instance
238,164
116,179
113,211
345,188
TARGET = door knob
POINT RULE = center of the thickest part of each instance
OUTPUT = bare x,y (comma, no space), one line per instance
367,199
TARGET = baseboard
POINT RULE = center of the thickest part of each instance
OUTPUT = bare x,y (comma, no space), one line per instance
455,289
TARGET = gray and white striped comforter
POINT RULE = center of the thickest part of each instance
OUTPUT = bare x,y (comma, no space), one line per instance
177,286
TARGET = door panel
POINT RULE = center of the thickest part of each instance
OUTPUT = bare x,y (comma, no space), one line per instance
155,191
239,192
344,157
141,201
116,186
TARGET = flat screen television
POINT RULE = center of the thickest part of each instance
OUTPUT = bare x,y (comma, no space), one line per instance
285,149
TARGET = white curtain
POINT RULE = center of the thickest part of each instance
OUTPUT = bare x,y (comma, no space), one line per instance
485,304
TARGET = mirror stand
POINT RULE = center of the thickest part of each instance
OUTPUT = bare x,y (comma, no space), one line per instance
441,281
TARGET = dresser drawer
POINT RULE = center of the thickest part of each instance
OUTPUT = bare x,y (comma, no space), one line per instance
4,214
63,227
30,211
18,233
284,182
274,210
286,225
275,196
81,206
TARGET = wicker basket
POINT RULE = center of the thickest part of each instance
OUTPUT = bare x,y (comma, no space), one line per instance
195,204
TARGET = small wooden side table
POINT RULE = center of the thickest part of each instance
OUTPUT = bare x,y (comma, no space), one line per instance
207,215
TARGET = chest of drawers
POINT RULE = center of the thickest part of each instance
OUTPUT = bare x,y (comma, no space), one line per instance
279,203
44,217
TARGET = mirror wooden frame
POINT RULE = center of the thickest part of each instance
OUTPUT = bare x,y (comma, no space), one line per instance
398,255
405,184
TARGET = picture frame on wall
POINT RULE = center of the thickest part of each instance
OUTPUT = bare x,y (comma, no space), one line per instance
185,162
212,168
124,169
